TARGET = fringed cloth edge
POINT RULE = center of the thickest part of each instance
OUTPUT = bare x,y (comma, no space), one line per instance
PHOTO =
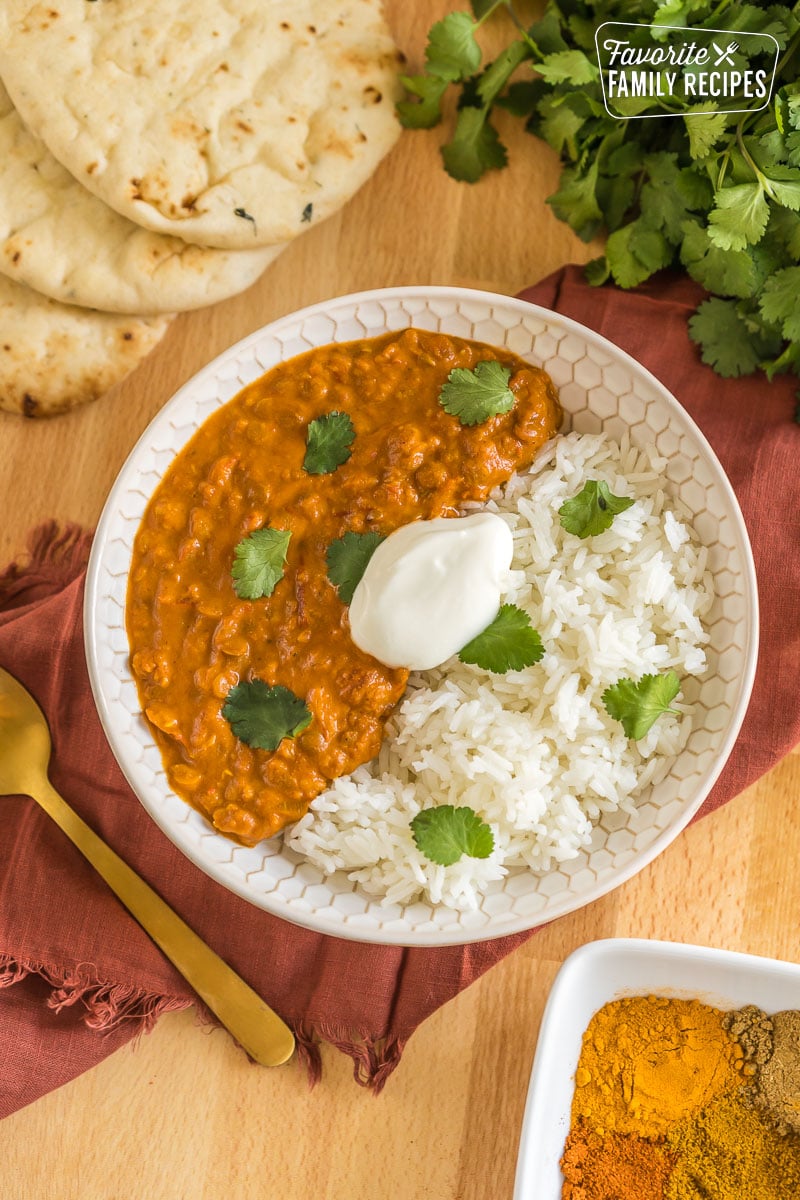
374,1059
55,555
107,1005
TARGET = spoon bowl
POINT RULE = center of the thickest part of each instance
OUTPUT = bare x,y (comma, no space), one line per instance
25,749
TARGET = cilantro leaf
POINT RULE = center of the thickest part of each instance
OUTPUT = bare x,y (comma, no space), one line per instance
427,112
668,195
597,271
549,36
568,66
560,124
347,559
785,192
740,216
726,272
635,252
704,130
793,148
445,833
639,705
263,716
778,302
785,226
475,147
328,444
498,73
258,562
576,201
592,510
452,52
727,343
509,643
674,12
474,396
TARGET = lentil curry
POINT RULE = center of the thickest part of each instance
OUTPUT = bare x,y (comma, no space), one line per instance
193,639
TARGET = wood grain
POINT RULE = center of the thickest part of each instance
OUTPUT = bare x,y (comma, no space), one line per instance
182,1114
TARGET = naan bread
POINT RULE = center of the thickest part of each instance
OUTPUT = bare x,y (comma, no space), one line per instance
230,125
54,357
58,238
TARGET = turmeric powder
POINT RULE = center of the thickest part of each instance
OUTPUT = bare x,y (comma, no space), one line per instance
648,1062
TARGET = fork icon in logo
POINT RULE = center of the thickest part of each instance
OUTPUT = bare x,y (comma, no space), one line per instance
723,55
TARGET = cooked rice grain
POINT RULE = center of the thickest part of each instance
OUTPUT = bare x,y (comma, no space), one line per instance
534,752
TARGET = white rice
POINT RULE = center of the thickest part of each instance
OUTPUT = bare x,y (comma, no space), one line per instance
533,752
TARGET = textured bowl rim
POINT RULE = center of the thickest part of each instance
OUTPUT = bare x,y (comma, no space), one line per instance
407,936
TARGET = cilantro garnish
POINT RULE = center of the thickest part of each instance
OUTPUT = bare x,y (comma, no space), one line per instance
452,52
347,560
445,833
263,716
474,396
328,444
592,510
475,148
732,343
639,705
258,562
509,643
718,194
778,303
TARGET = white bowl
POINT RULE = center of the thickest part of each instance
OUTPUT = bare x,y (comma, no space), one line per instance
608,970
601,389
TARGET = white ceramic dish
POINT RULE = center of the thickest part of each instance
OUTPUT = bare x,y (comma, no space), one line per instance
601,388
608,970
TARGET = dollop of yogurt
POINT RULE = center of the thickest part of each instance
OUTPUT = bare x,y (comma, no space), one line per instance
430,588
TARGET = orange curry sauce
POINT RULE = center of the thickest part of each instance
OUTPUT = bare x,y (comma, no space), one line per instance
192,639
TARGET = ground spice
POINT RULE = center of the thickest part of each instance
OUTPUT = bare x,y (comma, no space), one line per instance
676,1100
752,1029
729,1152
612,1167
777,1082
648,1062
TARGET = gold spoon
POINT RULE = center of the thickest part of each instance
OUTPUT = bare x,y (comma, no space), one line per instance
24,756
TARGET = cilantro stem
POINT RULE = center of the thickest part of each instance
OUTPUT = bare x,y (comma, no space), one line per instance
748,158
723,170
723,4
526,37
782,362
490,12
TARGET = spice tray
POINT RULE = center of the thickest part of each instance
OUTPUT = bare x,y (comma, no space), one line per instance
609,970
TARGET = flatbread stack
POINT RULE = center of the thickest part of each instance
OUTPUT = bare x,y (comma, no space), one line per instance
158,157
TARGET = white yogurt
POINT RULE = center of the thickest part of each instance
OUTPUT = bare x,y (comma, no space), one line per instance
430,588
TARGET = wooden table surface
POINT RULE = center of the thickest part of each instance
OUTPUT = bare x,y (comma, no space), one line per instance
181,1114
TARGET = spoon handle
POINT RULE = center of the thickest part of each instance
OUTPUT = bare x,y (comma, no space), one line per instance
258,1029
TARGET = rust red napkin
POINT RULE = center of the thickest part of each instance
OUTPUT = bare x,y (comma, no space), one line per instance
78,977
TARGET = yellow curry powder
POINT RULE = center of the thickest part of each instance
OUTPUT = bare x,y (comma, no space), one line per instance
730,1152
647,1062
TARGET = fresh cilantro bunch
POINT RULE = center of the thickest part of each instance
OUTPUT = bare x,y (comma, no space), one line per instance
716,194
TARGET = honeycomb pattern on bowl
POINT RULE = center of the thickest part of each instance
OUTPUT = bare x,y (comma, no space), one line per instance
601,389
